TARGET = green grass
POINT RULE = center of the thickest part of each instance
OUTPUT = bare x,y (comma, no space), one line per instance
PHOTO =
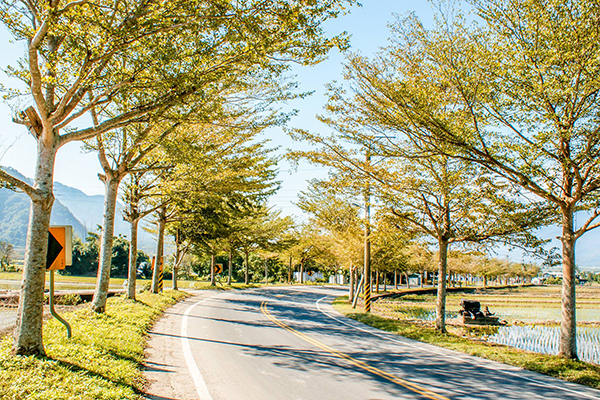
101,361
463,340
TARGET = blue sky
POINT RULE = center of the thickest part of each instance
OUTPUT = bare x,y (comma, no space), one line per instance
368,28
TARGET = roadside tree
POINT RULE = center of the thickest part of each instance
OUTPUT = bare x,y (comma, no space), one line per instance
516,94
6,252
82,56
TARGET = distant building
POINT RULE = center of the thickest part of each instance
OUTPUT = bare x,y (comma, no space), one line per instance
338,279
308,276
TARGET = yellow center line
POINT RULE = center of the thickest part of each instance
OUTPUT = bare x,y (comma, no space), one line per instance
406,384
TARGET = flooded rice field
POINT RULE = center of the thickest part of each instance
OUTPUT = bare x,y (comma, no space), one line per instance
546,340
533,315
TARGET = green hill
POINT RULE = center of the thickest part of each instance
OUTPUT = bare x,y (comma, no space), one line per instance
14,215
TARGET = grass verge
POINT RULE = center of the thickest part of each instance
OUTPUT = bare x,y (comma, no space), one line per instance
101,361
458,339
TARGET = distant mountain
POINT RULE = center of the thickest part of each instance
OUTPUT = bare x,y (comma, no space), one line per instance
71,207
14,214
88,209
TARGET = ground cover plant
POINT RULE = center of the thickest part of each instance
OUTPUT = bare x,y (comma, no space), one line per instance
101,361
461,340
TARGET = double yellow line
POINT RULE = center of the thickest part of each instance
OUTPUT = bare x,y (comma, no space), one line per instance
357,363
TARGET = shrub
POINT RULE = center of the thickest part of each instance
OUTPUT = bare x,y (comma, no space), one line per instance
69,299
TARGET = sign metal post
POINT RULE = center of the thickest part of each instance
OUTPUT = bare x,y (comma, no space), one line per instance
60,254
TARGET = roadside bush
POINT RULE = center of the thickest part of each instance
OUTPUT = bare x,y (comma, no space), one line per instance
553,281
70,299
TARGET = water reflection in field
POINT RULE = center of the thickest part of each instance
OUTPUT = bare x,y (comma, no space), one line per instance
546,339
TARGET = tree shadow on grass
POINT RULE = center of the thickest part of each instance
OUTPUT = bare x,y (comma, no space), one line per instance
77,369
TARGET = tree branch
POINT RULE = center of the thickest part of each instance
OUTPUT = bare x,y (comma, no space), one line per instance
24,186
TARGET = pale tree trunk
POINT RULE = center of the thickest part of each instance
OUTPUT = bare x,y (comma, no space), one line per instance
266,272
212,270
440,309
28,331
176,261
301,272
568,323
162,222
384,276
174,284
246,267
407,280
290,271
230,266
132,275
395,279
111,187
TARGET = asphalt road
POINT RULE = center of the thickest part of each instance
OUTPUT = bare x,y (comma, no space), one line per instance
289,343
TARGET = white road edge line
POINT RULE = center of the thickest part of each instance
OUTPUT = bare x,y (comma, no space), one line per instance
537,382
201,387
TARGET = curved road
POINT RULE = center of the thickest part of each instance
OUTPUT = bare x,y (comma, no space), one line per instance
289,343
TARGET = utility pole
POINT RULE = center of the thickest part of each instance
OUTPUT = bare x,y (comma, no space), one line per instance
367,271
368,284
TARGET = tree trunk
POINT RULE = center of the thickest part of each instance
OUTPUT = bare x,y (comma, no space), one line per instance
440,319
111,187
246,274
568,323
212,270
395,279
131,276
176,261
422,274
351,284
230,266
162,222
28,331
384,276
290,271
407,280
302,272
377,281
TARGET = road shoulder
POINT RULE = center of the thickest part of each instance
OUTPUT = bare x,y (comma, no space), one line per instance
165,367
